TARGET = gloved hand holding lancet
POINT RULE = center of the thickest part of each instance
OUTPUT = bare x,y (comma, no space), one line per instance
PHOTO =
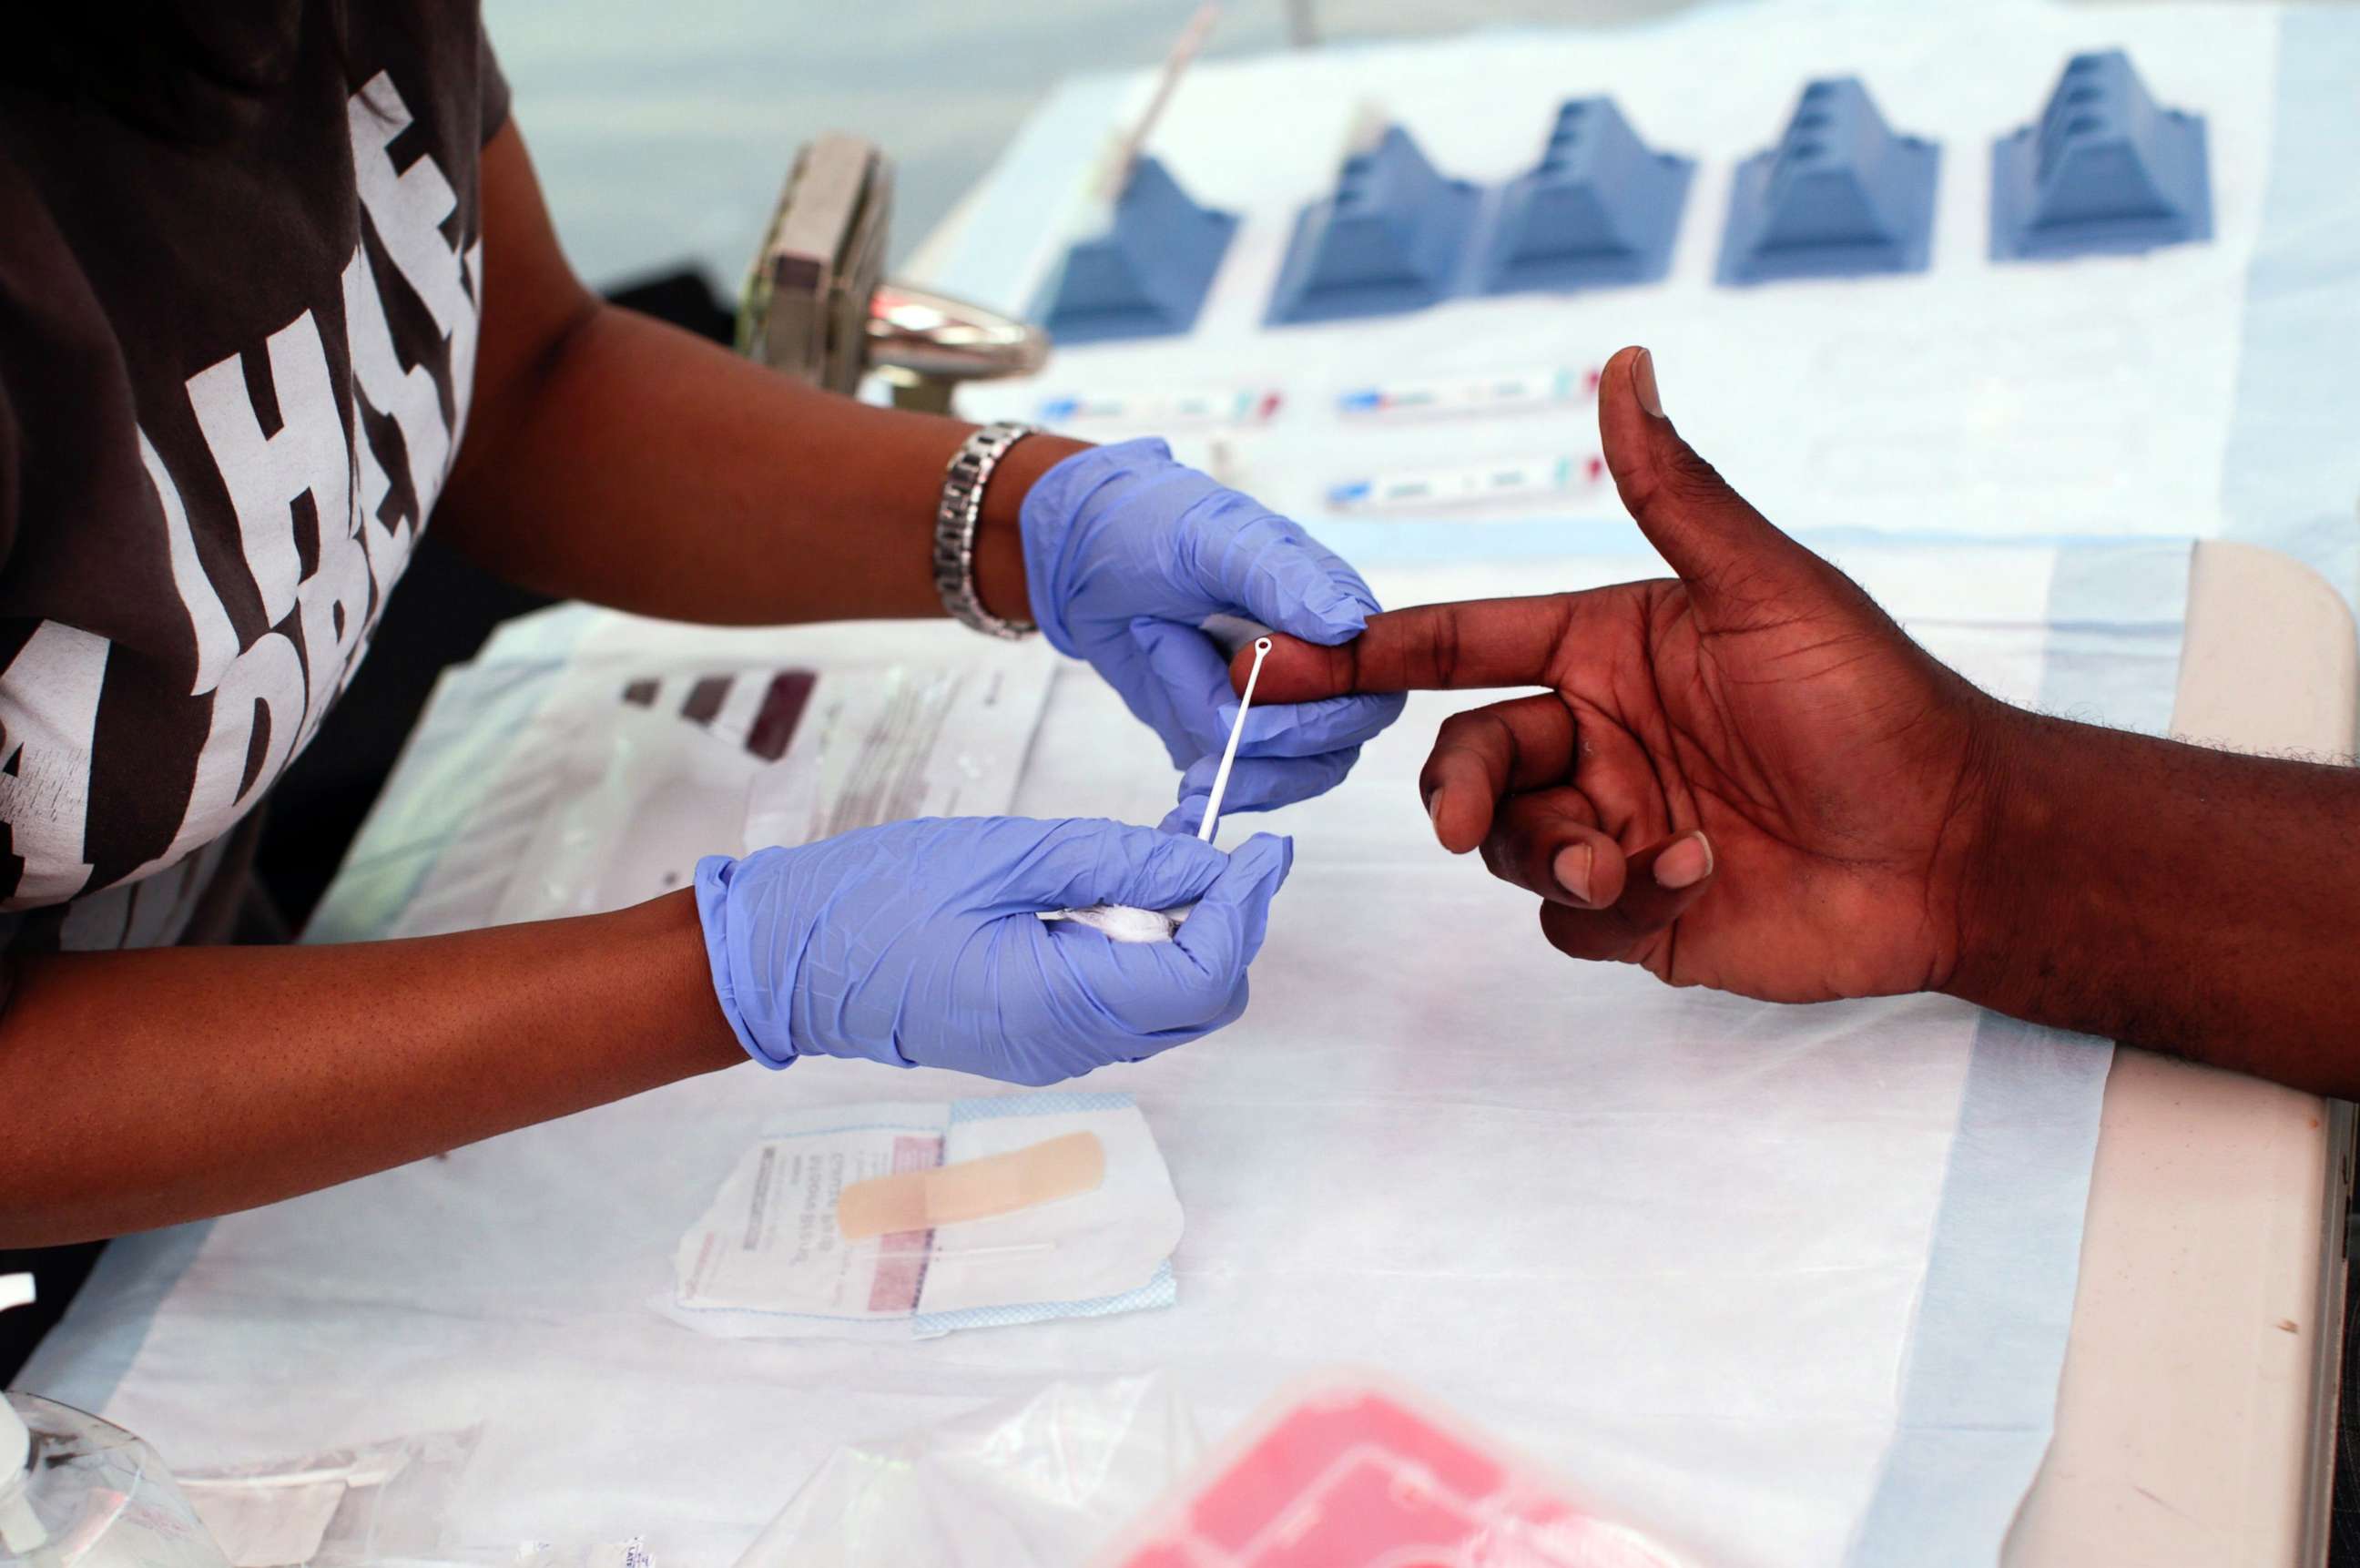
1125,924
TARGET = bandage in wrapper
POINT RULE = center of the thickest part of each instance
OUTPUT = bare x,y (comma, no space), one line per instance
909,1220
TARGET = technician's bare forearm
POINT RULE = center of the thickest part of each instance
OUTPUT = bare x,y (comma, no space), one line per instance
142,1088
612,458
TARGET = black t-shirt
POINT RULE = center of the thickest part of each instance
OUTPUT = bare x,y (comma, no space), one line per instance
233,376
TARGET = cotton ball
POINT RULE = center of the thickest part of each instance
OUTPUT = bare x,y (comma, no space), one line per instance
1122,923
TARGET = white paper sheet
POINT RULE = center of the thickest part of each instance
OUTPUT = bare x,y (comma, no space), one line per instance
597,777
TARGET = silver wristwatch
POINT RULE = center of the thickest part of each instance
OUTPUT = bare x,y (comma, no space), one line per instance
954,520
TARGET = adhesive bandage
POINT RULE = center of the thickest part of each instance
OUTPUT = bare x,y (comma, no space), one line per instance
972,1189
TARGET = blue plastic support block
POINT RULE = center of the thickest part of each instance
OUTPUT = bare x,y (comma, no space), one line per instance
1392,237
1598,208
1840,195
1147,275
2103,170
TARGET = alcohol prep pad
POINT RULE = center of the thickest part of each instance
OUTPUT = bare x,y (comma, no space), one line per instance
771,1259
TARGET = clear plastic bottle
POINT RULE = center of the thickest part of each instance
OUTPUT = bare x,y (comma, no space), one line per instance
78,1492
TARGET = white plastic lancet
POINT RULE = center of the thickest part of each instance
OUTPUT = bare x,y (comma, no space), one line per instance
1125,924
1230,753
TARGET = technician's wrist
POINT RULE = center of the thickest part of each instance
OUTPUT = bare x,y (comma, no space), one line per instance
752,1003
660,946
1000,580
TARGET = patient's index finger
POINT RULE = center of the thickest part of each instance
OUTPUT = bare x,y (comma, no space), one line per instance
1433,647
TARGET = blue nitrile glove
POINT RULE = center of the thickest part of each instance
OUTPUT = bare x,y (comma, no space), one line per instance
1130,553
920,943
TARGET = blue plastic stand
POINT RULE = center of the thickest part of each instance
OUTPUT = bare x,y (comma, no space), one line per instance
2103,170
1598,208
1840,195
1392,238
1147,275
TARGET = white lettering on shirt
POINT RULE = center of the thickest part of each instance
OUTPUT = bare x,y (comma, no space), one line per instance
264,687
49,712
406,206
265,699
265,474
216,638
407,396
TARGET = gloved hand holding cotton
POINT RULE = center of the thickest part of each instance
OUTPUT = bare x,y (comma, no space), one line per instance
921,944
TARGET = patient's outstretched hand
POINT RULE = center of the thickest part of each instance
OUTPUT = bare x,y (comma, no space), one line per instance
1746,777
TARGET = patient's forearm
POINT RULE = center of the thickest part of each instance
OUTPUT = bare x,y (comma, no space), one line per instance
140,1088
2165,895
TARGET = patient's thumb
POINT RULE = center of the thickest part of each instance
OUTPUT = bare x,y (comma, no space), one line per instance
1711,536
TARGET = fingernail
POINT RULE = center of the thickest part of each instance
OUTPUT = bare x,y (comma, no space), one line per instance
1434,812
1686,863
1643,380
1572,867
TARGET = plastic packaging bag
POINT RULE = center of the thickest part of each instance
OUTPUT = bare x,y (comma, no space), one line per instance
1346,1469
78,1492
1040,1483
628,769
1351,1470
341,1509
